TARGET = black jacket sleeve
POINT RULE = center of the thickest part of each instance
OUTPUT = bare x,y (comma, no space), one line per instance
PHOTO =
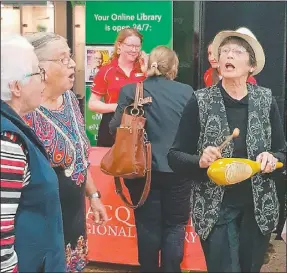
183,157
278,144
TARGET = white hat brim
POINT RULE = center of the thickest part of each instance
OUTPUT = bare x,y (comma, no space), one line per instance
256,46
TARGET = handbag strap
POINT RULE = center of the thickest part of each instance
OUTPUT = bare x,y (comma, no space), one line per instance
139,101
138,95
137,109
146,189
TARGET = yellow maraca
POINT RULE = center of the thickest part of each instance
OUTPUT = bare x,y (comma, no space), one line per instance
228,171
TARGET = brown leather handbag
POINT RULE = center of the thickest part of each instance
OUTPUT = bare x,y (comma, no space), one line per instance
130,156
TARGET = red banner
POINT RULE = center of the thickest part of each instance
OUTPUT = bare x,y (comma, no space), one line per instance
116,241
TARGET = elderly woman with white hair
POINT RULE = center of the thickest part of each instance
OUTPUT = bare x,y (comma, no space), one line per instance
60,126
234,222
31,221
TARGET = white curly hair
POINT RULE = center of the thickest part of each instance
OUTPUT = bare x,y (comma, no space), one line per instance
16,61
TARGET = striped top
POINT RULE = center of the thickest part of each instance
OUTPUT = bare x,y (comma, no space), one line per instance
15,174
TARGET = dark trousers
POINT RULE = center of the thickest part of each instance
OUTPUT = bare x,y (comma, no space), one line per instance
236,243
105,139
161,221
281,189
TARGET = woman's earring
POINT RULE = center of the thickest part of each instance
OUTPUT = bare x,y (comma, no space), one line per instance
118,51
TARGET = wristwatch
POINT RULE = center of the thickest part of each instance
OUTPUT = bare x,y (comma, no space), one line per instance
96,194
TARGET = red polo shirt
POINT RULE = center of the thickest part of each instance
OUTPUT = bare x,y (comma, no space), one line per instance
111,78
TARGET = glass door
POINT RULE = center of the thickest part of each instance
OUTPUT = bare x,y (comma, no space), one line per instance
79,48
38,18
10,19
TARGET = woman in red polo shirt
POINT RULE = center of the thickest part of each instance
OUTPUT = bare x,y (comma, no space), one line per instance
212,75
126,66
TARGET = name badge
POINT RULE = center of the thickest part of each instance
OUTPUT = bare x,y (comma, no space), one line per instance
139,74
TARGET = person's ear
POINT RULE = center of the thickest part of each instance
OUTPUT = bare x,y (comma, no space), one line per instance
119,47
15,88
252,69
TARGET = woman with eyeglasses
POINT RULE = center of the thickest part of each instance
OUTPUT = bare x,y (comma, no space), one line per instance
212,75
234,222
31,220
60,126
127,65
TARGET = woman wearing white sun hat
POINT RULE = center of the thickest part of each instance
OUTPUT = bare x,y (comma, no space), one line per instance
234,222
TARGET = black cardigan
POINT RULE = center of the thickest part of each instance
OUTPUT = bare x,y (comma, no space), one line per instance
183,157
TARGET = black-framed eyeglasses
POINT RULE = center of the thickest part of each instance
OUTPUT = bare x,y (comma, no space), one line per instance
64,61
42,73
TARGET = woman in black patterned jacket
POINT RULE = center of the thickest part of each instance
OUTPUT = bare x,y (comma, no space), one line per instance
234,222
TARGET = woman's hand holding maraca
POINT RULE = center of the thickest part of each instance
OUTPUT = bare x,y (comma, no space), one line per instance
268,162
209,155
